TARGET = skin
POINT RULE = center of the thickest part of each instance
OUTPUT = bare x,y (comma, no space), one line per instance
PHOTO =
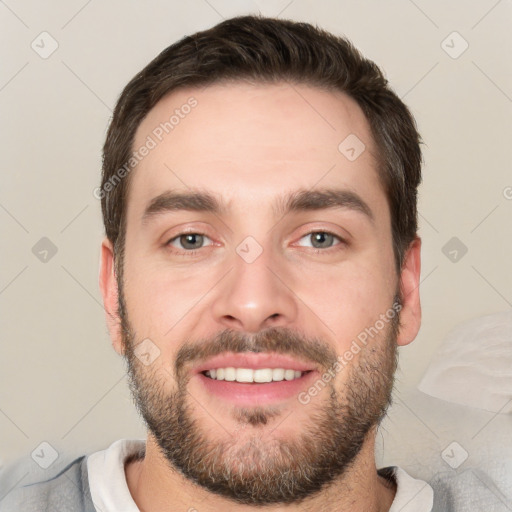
250,144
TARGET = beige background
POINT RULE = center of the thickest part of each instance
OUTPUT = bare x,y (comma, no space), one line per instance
60,379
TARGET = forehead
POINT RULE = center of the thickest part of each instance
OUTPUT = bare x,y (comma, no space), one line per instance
248,141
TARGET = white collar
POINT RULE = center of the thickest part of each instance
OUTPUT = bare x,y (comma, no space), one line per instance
107,479
412,495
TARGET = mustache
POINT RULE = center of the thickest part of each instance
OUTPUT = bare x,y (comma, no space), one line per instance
275,339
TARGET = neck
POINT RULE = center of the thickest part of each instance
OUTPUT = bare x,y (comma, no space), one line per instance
157,487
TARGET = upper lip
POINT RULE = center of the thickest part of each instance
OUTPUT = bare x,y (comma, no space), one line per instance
253,360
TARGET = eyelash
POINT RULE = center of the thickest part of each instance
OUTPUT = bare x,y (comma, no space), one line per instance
193,252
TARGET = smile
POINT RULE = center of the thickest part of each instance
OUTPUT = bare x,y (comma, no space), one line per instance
249,375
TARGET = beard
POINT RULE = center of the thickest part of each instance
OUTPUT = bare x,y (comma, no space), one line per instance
262,469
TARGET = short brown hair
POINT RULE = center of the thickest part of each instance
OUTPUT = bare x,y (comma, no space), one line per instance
268,50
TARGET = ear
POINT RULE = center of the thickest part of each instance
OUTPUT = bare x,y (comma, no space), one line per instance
109,292
410,314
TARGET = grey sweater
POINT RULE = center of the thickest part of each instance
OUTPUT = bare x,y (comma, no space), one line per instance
67,491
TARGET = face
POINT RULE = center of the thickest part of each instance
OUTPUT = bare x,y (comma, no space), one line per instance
257,251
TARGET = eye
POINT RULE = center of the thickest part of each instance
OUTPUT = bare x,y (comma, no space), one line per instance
322,239
188,241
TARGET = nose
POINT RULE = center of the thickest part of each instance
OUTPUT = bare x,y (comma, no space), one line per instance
254,296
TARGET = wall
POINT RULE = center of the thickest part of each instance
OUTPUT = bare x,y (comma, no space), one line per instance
60,380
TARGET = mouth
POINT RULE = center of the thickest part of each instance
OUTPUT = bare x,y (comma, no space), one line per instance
254,378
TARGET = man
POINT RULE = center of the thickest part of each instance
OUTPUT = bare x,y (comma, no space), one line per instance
260,267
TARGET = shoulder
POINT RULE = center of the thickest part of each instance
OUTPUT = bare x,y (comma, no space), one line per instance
66,488
447,491
471,489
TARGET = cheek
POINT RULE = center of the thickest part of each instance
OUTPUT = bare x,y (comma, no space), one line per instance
161,302
348,300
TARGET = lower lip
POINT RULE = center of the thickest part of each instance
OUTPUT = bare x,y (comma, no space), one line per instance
243,393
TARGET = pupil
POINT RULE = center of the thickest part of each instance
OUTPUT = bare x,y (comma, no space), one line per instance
322,238
195,240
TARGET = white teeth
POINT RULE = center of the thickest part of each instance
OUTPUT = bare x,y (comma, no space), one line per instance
263,375
244,375
289,374
277,374
229,374
250,375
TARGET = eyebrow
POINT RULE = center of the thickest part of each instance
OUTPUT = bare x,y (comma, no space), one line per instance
321,199
297,201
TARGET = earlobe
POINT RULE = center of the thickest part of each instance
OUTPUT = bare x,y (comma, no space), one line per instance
410,314
109,292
